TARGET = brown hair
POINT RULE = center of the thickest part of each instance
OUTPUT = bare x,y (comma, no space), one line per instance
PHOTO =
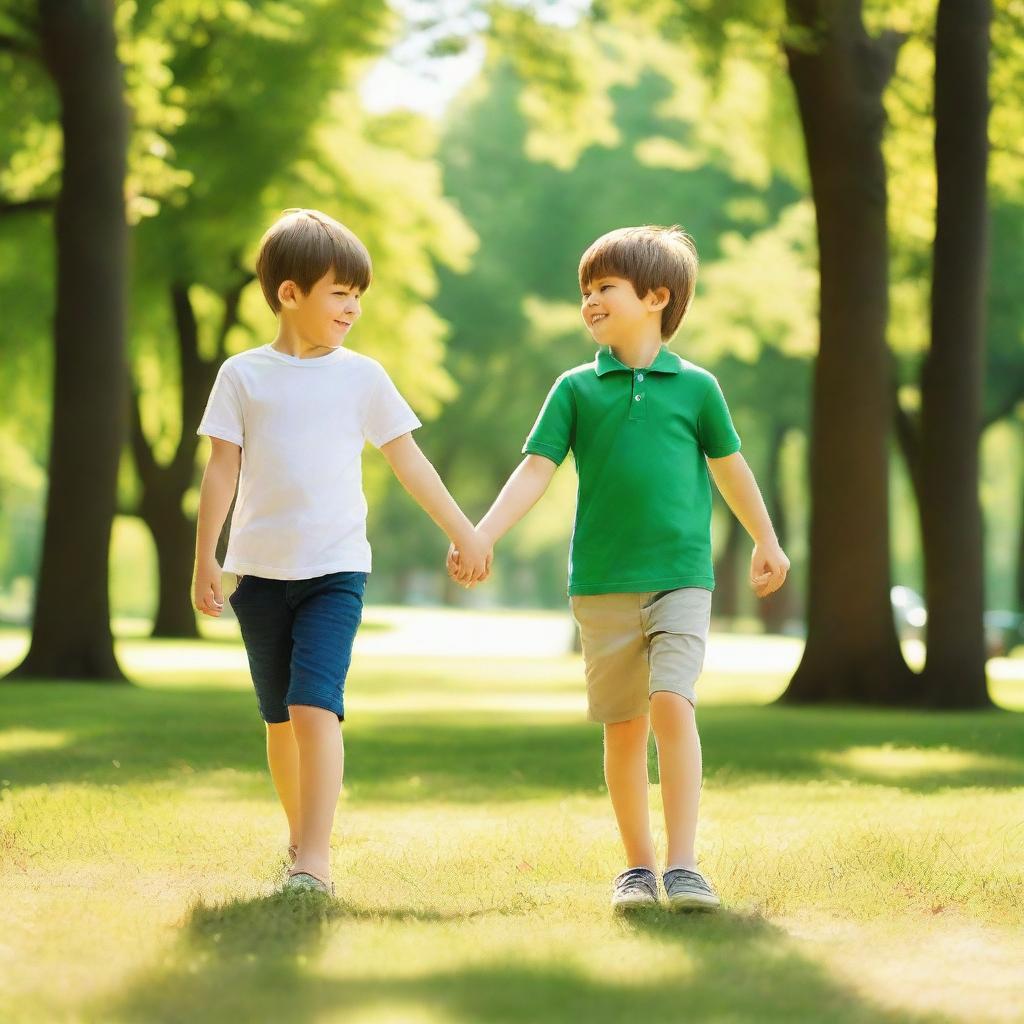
649,257
302,246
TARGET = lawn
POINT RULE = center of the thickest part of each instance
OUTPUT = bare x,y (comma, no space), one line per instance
870,862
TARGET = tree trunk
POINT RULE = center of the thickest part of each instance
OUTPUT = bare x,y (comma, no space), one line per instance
839,73
1019,592
951,380
164,486
727,569
71,636
174,535
776,609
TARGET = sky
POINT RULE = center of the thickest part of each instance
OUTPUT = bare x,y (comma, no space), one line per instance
412,77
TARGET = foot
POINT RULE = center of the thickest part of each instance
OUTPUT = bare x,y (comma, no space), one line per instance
303,880
689,890
637,887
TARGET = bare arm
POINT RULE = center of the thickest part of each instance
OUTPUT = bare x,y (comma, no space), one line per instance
218,488
522,491
420,479
769,564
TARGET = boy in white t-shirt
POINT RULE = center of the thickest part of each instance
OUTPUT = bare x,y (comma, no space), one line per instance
288,422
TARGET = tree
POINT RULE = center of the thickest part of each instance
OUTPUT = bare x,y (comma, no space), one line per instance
839,73
72,638
246,86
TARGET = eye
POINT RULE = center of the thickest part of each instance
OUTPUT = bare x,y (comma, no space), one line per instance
604,286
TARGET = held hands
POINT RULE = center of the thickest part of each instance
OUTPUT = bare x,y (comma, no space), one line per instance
470,562
768,568
206,592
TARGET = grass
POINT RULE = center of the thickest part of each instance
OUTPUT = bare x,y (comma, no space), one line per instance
870,861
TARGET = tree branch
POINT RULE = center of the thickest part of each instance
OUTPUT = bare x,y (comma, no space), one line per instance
145,462
19,47
231,298
9,209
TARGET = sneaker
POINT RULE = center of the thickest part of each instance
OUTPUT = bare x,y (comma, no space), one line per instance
637,887
689,890
304,881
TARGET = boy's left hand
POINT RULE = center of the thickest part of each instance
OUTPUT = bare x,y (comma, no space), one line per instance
768,568
472,565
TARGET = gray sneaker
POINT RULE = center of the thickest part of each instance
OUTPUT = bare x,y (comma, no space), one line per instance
637,887
689,890
303,881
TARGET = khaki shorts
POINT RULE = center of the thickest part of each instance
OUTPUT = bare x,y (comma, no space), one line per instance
638,644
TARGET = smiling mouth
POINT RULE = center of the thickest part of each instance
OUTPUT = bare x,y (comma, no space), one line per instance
598,318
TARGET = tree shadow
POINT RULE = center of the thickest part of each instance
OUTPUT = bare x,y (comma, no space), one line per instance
158,734
271,959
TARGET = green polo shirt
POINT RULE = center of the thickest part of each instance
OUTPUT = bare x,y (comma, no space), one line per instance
639,438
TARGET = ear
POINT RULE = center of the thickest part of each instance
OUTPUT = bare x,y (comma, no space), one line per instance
658,298
286,294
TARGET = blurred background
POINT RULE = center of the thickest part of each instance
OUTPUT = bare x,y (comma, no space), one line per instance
477,149
853,174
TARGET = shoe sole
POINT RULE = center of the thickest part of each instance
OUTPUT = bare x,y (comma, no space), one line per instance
694,902
626,905
316,886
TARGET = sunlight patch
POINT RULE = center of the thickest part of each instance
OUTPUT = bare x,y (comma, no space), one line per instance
19,741
144,657
890,762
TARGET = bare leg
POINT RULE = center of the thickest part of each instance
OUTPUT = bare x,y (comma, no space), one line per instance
679,765
321,765
283,758
625,771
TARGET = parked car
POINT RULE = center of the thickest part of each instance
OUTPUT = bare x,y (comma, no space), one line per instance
1004,630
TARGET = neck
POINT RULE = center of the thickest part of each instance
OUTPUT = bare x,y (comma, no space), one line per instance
292,343
637,352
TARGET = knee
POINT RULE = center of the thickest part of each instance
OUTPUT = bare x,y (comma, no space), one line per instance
671,715
629,734
306,718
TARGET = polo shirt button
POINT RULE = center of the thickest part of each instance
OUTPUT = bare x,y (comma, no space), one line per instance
640,378
638,397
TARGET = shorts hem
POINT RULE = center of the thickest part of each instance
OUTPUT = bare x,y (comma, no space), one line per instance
339,710
668,689
591,717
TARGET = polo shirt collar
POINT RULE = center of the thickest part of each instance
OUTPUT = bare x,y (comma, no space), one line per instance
664,362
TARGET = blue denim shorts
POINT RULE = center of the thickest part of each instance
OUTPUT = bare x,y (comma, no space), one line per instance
298,636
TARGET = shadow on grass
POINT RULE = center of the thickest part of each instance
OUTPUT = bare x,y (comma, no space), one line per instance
157,734
283,958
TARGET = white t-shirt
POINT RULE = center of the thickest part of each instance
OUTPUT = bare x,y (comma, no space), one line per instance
302,425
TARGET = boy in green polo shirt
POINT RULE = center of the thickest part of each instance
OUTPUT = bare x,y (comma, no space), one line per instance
645,428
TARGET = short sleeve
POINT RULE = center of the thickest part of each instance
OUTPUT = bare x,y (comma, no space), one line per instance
715,429
388,415
223,417
552,434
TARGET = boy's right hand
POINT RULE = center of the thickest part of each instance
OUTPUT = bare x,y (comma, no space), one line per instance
206,592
